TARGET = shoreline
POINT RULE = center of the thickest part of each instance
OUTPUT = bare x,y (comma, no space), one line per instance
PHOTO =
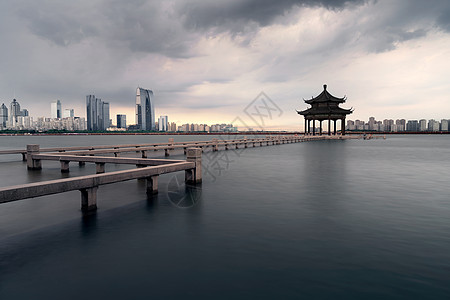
221,133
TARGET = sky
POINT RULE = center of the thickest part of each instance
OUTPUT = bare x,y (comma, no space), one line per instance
209,61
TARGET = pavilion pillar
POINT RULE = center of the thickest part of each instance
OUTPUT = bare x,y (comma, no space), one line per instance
320,127
306,122
329,126
334,126
314,127
343,126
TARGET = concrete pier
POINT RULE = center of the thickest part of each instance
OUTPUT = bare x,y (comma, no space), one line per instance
89,199
194,175
100,168
33,164
64,166
152,185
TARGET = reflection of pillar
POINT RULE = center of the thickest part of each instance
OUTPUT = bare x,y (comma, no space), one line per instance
334,126
320,130
329,126
314,126
343,126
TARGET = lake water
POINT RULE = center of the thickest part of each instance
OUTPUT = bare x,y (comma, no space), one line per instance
347,219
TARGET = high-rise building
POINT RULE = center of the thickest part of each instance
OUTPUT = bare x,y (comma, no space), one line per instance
97,113
173,127
68,113
3,115
121,121
444,125
145,114
55,109
105,115
14,112
433,125
401,124
163,123
412,125
423,125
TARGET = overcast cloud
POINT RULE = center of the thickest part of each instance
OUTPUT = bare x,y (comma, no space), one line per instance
206,60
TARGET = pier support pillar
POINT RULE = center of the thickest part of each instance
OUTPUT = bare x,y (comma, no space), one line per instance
33,164
89,199
116,154
194,175
245,142
166,152
215,143
185,151
171,142
152,185
64,166
81,163
24,156
144,154
226,146
100,168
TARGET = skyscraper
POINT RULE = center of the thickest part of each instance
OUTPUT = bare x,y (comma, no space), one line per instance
55,109
121,121
163,123
97,113
3,115
68,113
14,112
145,114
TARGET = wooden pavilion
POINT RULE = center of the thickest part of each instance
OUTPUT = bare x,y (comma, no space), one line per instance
324,107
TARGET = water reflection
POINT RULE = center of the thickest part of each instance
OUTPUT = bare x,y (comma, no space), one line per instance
88,223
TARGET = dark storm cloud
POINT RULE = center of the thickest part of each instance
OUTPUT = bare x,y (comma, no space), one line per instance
234,14
169,28
172,28
140,26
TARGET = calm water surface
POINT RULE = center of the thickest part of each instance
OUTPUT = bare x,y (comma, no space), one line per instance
319,220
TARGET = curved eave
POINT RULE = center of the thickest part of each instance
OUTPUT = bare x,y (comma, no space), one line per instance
339,111
325,97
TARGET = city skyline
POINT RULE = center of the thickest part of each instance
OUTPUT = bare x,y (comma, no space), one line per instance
210,61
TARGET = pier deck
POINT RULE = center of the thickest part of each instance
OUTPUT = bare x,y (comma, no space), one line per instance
148,169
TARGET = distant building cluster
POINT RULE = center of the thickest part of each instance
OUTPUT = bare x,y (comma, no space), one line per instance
400,125
206,128
16,118
98,118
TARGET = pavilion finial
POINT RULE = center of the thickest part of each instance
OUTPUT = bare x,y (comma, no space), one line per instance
325,87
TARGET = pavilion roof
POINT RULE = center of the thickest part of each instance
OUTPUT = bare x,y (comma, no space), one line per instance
325,96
